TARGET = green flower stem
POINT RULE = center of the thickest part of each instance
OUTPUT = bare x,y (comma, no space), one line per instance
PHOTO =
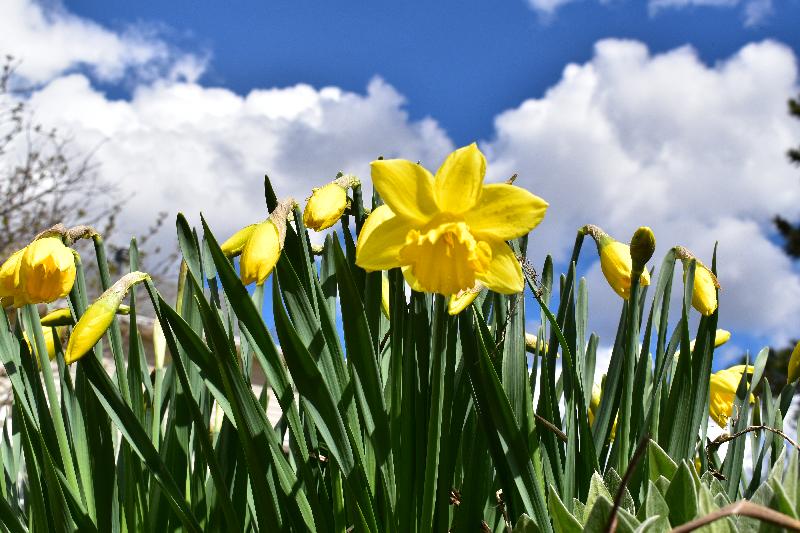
32,316
629,364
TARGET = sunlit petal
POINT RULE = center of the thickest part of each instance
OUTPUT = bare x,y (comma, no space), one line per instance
504,274
458,182
406,187
505,212
380,240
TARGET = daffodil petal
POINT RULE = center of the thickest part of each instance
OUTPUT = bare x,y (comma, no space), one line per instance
406,187
505,212
380,240
504,274
458,181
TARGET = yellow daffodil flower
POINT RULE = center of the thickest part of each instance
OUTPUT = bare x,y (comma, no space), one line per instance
704,292
534,344
464,298
325,206
447,231
98,317
615,257
793,372
704,295
721,336
722,392
260,254
263,248
9,279
49,342
235,243
46,272
594,405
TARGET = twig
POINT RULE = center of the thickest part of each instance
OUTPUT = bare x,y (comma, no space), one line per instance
634,462
549,425
742,508
713,446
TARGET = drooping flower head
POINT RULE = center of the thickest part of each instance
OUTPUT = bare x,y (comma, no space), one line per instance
704,292
235,243
47,271
615,261
327,204
9,279
722,392
263,248
449,230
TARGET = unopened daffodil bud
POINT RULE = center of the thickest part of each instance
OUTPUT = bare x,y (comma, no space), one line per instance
793,372
217,417
721,336
63,316
533,344
464,298
615,262
234,245
98,317
9,279
47,271
704,293
327,204
58,317
49,342
159,345
594,406
722,392
263,249
643,245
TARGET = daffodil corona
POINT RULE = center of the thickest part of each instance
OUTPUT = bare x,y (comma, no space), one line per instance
46,271
449,230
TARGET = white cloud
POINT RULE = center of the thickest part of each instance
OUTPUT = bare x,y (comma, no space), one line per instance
182,146
49,40
754,12
695,152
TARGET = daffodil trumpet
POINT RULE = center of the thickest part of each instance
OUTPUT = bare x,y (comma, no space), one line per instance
46,271
447,231
98,317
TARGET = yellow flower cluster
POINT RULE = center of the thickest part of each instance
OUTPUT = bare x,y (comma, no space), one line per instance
41,272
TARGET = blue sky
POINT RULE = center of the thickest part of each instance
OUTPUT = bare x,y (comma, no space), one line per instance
461,62
667,113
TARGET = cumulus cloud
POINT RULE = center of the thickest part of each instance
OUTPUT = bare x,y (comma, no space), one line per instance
695,152
184,146
50,40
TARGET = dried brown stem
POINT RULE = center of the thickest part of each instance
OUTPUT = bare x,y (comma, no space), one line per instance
637,457
742,508
722,439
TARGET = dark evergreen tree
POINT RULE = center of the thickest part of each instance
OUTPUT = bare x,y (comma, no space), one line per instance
791,232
